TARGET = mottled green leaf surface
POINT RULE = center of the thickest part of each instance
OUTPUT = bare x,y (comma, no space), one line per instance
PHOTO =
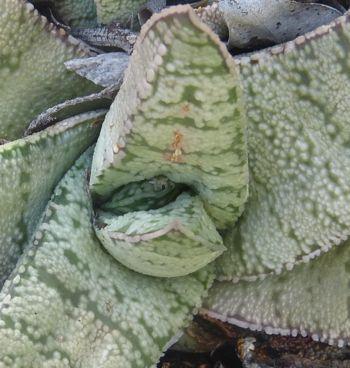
29,170
32,74
178,114
70,304
313,299
124,11
297,101
174,240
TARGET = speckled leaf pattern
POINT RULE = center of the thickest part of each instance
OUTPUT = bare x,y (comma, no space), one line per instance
175,240
312,300
183,118
123,11
297,102
70,304
32,74
29,170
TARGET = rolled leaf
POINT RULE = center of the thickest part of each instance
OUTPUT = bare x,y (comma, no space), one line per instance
68,303
178,114
175,240
29,170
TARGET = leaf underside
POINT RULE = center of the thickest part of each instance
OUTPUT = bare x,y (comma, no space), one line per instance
29,170
33,76
175,105
69,304
297,107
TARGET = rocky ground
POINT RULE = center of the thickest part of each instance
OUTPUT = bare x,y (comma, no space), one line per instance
220,345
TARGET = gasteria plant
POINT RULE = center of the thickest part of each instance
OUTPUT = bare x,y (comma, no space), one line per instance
109,270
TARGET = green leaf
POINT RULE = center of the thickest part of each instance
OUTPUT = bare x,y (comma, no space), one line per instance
174,240
32,72
142,196
29,170
70,304
74,13
122,11
312,300
297,101
178,114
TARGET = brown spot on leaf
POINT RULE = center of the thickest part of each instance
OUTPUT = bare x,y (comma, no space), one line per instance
177,148
185,109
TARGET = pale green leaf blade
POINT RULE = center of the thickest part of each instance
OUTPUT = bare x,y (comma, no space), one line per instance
178,114
32,72
70,304
29,170
172,241
297,101
313,300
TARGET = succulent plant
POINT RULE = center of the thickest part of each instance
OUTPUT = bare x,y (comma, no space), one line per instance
109,271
